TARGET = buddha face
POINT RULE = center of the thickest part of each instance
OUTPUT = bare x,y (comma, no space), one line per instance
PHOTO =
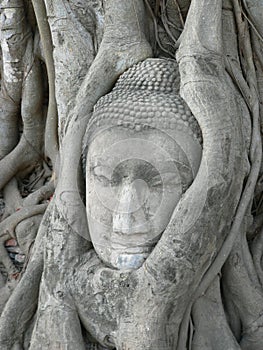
134,180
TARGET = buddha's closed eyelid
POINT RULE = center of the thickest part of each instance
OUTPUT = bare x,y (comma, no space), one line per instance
99,170
156,181
103,179
165,177
183,165
171,177
166,181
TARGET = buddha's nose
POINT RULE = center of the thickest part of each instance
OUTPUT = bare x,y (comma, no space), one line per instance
129,214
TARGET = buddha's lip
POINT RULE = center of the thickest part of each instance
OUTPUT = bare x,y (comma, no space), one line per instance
131,241
141,248
132,249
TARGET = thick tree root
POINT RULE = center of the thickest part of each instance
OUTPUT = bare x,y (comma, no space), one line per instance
243,290
12,24
9,126
44,192
29,148
21,81
12,197
211,328
257,254
6,292
22,304
8,226
7,229
7,262
255,154
26,232
255,9
51,131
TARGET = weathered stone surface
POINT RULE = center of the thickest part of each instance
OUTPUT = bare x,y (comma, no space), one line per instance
142,142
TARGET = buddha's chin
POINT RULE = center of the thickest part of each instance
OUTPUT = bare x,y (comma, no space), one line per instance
128,260
128,257
122,257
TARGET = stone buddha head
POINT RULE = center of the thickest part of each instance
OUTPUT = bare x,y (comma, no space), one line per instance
142,152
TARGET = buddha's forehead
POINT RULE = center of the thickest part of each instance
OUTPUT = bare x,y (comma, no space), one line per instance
140,154
115,144
119,140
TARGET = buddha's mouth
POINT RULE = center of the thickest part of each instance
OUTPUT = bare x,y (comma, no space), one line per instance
134,244
131,250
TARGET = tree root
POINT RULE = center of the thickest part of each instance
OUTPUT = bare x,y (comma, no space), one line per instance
7,262
51,132
23,156
9,125
22,304
12,73
257,254
25,72
44,192
255,8
26,232
255,156
183,7
7,229
12,197
29,148
244,291
6,292
211,328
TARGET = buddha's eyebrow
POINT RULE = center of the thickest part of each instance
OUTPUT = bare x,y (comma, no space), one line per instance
167,166
100,169
96,162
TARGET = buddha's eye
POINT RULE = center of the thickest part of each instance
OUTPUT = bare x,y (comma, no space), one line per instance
156,182
103,180
171,182
166,180
170,178
102,175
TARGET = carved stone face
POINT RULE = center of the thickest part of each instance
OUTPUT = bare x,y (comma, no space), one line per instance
134,181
